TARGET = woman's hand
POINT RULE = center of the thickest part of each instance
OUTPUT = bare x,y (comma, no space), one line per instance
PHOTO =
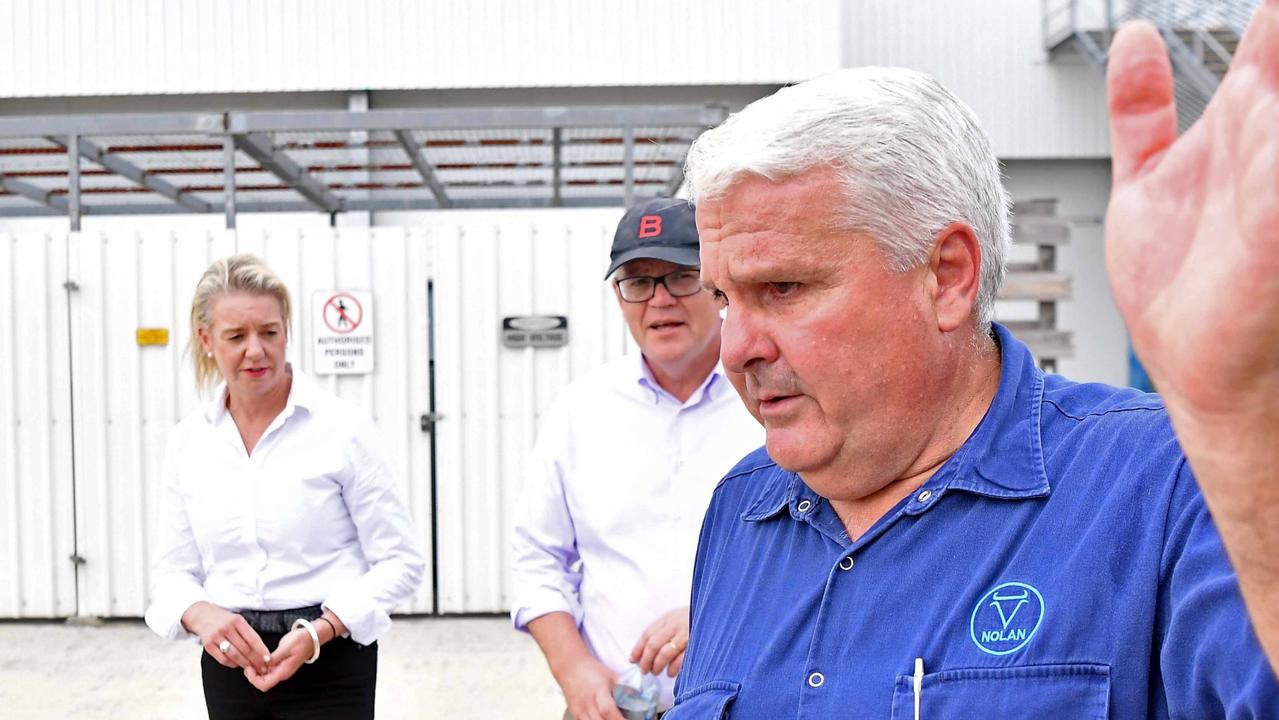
218,628
294,649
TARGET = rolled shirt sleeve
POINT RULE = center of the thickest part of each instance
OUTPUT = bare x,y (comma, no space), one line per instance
387,538
545,562
179,571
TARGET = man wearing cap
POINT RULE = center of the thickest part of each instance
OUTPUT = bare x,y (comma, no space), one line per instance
624,465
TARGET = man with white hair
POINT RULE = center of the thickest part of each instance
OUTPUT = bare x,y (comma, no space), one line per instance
937,528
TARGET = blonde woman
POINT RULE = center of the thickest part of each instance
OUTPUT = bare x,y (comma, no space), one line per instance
282,543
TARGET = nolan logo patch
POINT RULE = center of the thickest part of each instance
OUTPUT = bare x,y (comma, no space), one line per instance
1006,618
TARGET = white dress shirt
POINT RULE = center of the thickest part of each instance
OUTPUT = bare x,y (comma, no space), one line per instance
311,517
612,503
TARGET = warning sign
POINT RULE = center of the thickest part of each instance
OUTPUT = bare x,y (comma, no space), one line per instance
343,332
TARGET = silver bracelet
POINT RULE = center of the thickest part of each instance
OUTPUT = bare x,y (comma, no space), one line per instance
315,637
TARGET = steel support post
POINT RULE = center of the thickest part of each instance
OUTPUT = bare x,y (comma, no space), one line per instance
228,180
73,181
628,166
557,164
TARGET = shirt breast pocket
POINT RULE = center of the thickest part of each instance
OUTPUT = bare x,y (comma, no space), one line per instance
709,701
1071,691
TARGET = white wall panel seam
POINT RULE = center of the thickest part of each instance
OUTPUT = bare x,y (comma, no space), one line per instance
11,570
63,444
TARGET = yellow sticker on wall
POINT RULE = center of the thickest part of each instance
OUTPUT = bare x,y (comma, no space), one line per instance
153,336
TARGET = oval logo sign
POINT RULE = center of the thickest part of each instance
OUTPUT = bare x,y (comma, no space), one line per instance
1006,618
534,323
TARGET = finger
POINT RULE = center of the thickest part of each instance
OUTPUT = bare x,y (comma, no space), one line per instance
1143,112
676,664
256,679
241,652
236,656
216,653
664,656
648,656
278,674
606,707
253,645
1259,48
638,650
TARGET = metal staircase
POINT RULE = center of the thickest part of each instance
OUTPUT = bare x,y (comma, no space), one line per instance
1201,35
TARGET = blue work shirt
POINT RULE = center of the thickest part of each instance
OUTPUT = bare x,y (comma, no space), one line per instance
1061,564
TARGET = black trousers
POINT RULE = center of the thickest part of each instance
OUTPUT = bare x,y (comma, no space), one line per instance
341,685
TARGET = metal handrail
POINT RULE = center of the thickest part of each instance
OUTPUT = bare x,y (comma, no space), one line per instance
1103,15
1176,21
1052,13
1194,14
1211,43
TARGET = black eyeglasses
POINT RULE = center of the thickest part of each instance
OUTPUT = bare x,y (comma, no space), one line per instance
640,288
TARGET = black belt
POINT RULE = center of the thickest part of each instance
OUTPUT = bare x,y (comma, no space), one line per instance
279,621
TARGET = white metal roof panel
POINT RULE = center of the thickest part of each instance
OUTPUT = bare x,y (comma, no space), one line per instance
132,47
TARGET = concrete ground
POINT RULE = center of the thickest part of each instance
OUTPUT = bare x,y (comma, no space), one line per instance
428,668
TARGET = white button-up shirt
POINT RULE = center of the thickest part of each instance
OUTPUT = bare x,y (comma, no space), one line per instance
311,517
612,503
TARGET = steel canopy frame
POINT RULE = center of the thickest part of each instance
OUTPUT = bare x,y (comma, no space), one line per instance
302,206
595,150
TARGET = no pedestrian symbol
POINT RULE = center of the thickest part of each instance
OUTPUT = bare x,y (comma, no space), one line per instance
343,313
343,324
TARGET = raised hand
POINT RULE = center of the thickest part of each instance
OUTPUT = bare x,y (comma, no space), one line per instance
1192,248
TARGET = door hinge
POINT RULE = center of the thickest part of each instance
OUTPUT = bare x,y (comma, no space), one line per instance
429,420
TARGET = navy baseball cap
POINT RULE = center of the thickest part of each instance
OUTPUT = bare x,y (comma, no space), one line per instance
660,229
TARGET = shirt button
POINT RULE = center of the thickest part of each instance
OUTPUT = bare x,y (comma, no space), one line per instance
805,506
846,564
924,495
816,680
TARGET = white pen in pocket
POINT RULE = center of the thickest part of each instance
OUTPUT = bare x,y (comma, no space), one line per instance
919,683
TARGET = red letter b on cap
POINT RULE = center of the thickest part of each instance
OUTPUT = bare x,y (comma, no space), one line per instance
650,226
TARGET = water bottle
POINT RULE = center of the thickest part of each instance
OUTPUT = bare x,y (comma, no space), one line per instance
636,694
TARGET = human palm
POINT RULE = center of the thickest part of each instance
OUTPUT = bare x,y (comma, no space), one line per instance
1192,232
1192,248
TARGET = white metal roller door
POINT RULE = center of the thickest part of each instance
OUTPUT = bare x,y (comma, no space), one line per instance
489,266
37,534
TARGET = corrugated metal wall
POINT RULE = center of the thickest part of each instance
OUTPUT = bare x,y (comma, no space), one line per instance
491,396
53,48
37,530
989,52
482,266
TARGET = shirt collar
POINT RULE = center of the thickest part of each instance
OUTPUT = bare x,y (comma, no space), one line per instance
652,390
1003,458
302,394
